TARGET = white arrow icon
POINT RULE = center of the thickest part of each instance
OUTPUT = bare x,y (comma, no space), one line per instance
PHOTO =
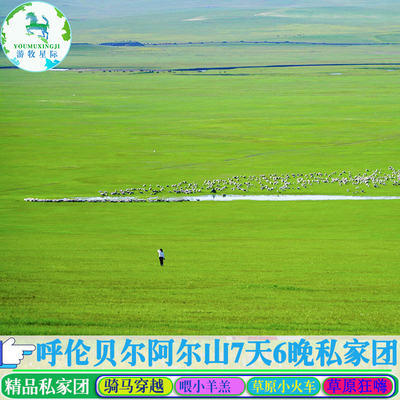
12,354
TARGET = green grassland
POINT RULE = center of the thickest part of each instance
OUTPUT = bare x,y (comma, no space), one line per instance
231,268
220,55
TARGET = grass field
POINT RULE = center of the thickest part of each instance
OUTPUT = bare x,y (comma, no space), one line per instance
232,268
220,55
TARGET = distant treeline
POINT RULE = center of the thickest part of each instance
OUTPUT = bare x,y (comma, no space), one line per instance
122,44
115,44
247,42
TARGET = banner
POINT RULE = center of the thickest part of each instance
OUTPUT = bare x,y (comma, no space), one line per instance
91,367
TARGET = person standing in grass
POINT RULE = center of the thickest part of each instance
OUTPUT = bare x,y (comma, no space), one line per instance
161,256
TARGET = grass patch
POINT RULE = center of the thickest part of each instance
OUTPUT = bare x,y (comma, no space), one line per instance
239,268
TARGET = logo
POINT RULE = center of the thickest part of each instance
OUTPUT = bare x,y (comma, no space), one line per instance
36,36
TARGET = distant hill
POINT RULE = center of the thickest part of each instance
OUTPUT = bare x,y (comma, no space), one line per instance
159,21
91,9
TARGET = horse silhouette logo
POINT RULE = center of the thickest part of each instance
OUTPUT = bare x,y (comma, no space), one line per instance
35,36
33,27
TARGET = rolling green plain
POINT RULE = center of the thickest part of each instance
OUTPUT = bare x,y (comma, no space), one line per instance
232,268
